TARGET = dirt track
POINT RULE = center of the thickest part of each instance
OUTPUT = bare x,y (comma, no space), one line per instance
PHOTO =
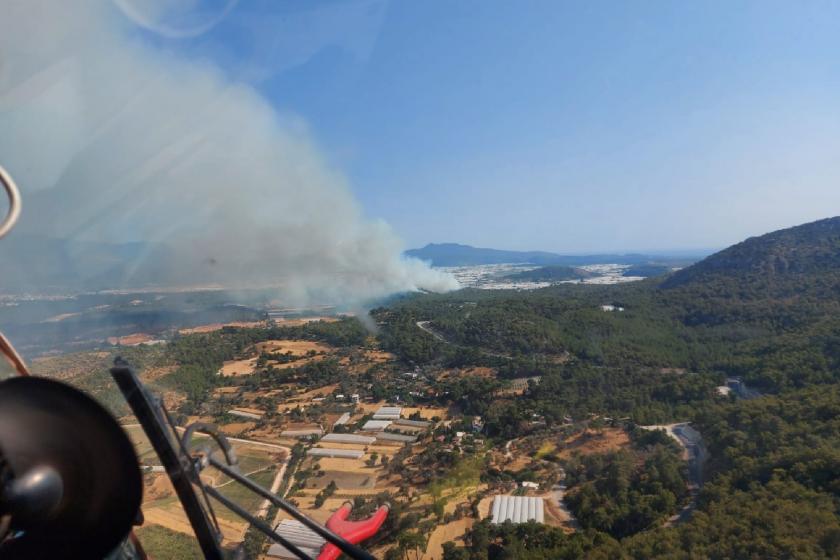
694,451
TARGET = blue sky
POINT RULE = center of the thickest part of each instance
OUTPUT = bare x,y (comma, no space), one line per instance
565,126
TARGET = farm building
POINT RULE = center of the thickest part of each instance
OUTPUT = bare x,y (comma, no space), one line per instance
388,413
302,433
335,453
385,436
412,423
245,414
298,535
517,509
376,425
348,438
342,420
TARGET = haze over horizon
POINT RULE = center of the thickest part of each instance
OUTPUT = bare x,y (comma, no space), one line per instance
357,129
550,126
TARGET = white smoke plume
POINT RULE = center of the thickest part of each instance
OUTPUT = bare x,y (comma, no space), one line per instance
114,140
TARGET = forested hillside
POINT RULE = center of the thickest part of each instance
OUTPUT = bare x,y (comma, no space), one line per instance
767,310
794,262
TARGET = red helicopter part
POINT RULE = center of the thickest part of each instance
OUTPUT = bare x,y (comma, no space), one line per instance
352,531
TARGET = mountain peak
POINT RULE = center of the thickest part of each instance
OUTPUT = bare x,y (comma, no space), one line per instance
768,261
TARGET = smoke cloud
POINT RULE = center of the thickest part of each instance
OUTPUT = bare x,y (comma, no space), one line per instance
115,141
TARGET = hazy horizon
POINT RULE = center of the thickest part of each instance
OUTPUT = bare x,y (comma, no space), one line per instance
558,126
266,137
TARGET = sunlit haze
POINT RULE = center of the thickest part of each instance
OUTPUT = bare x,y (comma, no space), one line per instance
562,126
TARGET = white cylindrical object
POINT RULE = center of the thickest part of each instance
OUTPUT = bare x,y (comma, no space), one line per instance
497,501
540,511
517,509
507,509
532,508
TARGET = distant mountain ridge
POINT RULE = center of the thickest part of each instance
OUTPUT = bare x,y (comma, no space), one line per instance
455,254
34,263
778,263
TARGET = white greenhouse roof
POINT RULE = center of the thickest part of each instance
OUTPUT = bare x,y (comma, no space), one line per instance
518,509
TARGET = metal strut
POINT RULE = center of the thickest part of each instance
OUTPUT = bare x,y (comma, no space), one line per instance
183,468
14,203
6,226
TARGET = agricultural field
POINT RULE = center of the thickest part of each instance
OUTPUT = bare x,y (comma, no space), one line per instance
262,464
278,354
213,327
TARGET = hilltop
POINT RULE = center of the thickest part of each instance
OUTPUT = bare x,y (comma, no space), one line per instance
783,263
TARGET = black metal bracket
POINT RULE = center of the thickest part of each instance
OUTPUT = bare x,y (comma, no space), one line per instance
183,470
148,411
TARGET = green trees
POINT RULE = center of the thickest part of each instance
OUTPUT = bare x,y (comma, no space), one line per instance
627,491
411,541
795,436
322,496
777,520
452,552
531,541
402,336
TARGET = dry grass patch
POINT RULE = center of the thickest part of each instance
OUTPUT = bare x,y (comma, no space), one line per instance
236,428
212,327
379,356
233,368
547,448
345,481
592,441
174,518
299,321
131,339
306,505
340,464
295,347
450,532
324,391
